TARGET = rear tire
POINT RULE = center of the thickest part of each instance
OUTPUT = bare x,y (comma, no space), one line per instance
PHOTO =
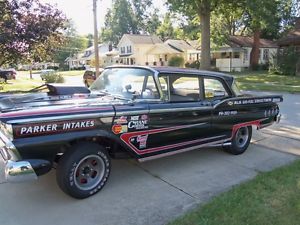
240,141
83,170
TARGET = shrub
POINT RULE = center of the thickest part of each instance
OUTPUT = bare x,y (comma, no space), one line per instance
286,62
195,64
53,78
176,61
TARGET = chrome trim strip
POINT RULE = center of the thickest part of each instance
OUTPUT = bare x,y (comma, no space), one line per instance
180,109
19,171
134,112
210,144
60,118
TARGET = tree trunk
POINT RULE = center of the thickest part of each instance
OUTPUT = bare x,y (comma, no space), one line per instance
30,72
254,55
204,14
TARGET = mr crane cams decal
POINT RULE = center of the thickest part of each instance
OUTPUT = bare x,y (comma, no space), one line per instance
125,124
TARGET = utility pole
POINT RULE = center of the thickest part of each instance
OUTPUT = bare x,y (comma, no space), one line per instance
96,38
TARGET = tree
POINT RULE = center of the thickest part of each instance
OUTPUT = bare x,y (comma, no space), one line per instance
73,44
166,30
201,8
118,21
153,23
29,31
128,17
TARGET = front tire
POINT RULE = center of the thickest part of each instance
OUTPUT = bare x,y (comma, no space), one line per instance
83,170
240,141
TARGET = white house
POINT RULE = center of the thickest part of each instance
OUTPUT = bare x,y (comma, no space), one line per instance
235,55
106,57
187,48
150,50
133,48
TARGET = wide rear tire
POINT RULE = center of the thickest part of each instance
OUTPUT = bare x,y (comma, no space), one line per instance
83,170
240,141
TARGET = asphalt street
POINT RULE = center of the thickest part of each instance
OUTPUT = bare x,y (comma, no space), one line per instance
155,192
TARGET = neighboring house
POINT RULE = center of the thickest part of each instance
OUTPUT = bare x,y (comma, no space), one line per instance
190,53
133,48
150,50
235,55
84,59
292,39
159,54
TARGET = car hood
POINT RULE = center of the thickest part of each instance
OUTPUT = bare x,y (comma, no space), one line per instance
43,104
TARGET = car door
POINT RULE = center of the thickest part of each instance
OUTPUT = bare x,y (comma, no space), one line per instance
216,91
181,120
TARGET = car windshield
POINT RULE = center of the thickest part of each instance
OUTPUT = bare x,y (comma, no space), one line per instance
124,82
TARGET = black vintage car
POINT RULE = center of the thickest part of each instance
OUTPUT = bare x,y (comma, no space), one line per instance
138,112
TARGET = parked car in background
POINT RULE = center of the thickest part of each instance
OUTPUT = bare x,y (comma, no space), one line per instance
89,76
138,112
8,74
46,72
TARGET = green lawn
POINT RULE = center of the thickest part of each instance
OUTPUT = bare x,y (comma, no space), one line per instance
262,81
272,198
21,84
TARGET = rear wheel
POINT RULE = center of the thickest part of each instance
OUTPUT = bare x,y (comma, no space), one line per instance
240,141
83,170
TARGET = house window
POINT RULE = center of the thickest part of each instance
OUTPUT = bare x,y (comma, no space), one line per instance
166,58
129,50
122,50
266,54
223,55
246,58
236,55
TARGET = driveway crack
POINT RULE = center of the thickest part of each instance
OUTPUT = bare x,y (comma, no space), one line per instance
161,179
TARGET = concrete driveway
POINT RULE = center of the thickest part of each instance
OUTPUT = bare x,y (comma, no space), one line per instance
155,192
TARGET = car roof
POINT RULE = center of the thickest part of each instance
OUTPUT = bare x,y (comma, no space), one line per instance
177,70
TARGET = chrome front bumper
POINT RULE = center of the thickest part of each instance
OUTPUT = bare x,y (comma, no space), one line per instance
15,169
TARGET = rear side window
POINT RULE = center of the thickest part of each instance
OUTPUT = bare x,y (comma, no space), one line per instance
184,89
214,89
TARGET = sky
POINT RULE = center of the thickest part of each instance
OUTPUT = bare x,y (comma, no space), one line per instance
80,11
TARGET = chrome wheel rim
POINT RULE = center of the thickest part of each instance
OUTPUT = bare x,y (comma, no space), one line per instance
89,172
241,137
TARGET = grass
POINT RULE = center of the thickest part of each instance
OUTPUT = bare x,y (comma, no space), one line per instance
272,198
63,73
21,84
262,81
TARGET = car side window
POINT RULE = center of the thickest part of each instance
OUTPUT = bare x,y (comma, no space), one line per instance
214,89
163,80
150,91
184,88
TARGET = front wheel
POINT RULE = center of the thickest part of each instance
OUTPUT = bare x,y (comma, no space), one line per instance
83,170
240,141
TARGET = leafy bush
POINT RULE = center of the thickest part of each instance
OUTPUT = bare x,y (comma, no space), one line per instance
286,62
195,64
176,61
53,78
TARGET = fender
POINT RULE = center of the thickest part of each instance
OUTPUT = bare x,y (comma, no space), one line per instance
59,140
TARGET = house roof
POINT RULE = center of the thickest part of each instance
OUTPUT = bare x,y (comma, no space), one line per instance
246,41
162,48
142,39
194,43
179,45
293,37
